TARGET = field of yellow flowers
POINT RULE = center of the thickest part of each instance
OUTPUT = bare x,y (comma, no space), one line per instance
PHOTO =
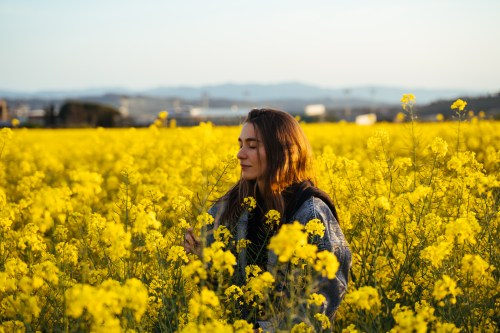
92,223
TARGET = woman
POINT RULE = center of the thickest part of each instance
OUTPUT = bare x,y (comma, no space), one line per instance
275,160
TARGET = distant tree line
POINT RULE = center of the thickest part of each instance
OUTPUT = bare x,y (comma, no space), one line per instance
489,104
83,114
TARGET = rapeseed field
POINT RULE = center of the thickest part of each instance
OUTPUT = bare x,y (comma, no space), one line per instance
92,223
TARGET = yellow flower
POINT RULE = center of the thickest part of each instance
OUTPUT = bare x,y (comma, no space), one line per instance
444,287
212,326
233,292
378,140
205,304
221,260
242,326
463,229
195,271
316,299
383,203
12,326
446,328
157,123
325,322
117,241
408,321
302,328
420,193
315,227
15,122
67,253
439,117
5,223
350,329
177,253
257,285
252,271
241,244
222,234
273,217
163,115
436,253
287,241
105,301
459,105
477,268
134,297
327,264
364,298
307,252
439,147
205,219
407,100
425,310
250,203
400,117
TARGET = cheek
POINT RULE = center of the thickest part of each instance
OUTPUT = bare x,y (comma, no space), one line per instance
263,159
255,156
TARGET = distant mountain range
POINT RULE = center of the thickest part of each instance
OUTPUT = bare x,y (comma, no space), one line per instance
258,92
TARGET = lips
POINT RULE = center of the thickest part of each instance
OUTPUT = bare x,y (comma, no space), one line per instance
243,166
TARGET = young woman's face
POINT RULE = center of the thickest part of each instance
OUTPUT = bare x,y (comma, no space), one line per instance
252,154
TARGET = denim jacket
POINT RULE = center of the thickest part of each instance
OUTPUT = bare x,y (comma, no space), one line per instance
333,240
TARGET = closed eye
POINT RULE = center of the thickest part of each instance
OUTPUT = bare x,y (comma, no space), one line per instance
250,143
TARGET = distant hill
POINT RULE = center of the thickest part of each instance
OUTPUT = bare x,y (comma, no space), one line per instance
259,92
291,90
489,104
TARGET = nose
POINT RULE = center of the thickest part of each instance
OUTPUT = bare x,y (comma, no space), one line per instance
241,154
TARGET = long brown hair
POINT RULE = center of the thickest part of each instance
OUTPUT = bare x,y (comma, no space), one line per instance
288,162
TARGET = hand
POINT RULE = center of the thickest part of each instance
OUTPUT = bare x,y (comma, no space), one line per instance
192,243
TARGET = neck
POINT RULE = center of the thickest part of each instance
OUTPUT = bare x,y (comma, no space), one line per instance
260,186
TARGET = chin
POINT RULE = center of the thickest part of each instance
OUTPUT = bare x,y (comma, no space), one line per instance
247,177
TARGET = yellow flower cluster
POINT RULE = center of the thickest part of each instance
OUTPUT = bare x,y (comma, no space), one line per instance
92,227
315,227
364,298
106,302
288,241
316,299
407,101
459,105
273,217
250,203
446,287
222,261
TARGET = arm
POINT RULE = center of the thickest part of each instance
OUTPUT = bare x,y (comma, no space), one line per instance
192,243
333,241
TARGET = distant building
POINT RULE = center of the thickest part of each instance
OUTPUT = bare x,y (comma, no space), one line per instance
366,119
217,115
317,111
36,117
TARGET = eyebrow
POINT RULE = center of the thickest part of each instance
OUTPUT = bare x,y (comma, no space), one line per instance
249,140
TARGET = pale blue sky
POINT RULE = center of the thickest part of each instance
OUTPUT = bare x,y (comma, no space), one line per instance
71,44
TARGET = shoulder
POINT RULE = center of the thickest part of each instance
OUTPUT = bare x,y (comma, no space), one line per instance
216,208
313,208
216,211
